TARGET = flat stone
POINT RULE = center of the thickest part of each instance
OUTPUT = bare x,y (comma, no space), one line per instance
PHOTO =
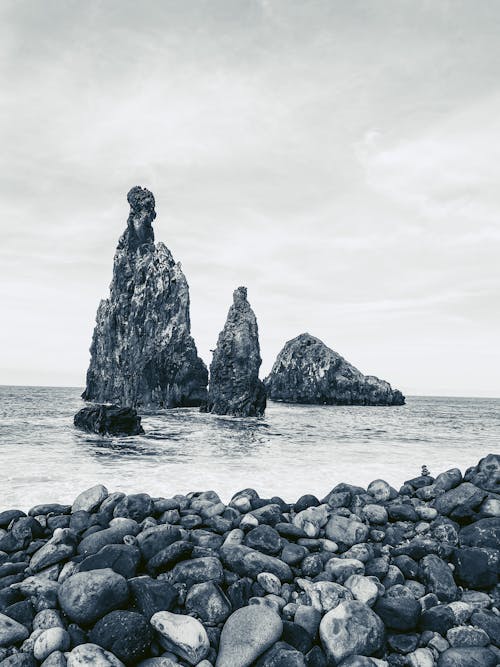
467,657
11,632
247,634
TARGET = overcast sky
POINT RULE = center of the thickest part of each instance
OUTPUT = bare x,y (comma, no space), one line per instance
340,159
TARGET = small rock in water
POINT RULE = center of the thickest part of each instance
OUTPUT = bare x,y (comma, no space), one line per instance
108,420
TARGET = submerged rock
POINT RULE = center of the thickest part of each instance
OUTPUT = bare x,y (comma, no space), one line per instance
307,371
108,420
235,388
142,353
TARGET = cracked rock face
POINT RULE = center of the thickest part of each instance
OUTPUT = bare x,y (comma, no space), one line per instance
235,388
142,352
307,371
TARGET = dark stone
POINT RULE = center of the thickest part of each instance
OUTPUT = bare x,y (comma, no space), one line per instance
249,563
108,420
437,577
152,595
403,643
486,475
268,513
21,533
95,541
265,539
198,570
476,568
307,371
127,634
281,655
77,635
312,565
460,502
235,388
49,508
208,603
121,558
240,592
136,506
407,565
293,554
296,636
10,515
437,619
398,613
154,539
489,622
87,596
22,612
401,512
316,658
484,533
165,559
142,353
304,502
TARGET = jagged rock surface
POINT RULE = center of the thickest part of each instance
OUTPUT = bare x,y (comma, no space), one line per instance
142,353
235,388
108,420
307,371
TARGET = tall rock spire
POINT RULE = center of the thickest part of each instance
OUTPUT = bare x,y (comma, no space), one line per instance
235,388
142,352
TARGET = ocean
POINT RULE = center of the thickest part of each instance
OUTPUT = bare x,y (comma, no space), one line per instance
294,450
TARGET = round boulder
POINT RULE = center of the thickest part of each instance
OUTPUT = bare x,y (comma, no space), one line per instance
352,628
126,634
86,597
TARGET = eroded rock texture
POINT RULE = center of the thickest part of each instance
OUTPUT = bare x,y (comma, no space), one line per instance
307,371
235,388
142,353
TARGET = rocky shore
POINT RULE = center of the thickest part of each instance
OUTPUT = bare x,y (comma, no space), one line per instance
370,577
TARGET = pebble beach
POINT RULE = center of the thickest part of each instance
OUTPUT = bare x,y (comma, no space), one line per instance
363,577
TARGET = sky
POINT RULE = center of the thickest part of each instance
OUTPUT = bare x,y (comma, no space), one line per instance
340,159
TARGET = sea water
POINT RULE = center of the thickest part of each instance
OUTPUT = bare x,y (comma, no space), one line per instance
293,450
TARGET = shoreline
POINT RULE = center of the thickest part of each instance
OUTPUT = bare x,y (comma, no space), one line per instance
375,577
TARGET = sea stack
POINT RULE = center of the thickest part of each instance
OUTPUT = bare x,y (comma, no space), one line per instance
307,371
142,352
235,388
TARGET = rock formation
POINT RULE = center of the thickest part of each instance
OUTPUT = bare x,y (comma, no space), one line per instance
235,388
307,371
142,353
108,420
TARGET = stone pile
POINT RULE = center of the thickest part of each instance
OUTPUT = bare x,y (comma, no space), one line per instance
374,577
